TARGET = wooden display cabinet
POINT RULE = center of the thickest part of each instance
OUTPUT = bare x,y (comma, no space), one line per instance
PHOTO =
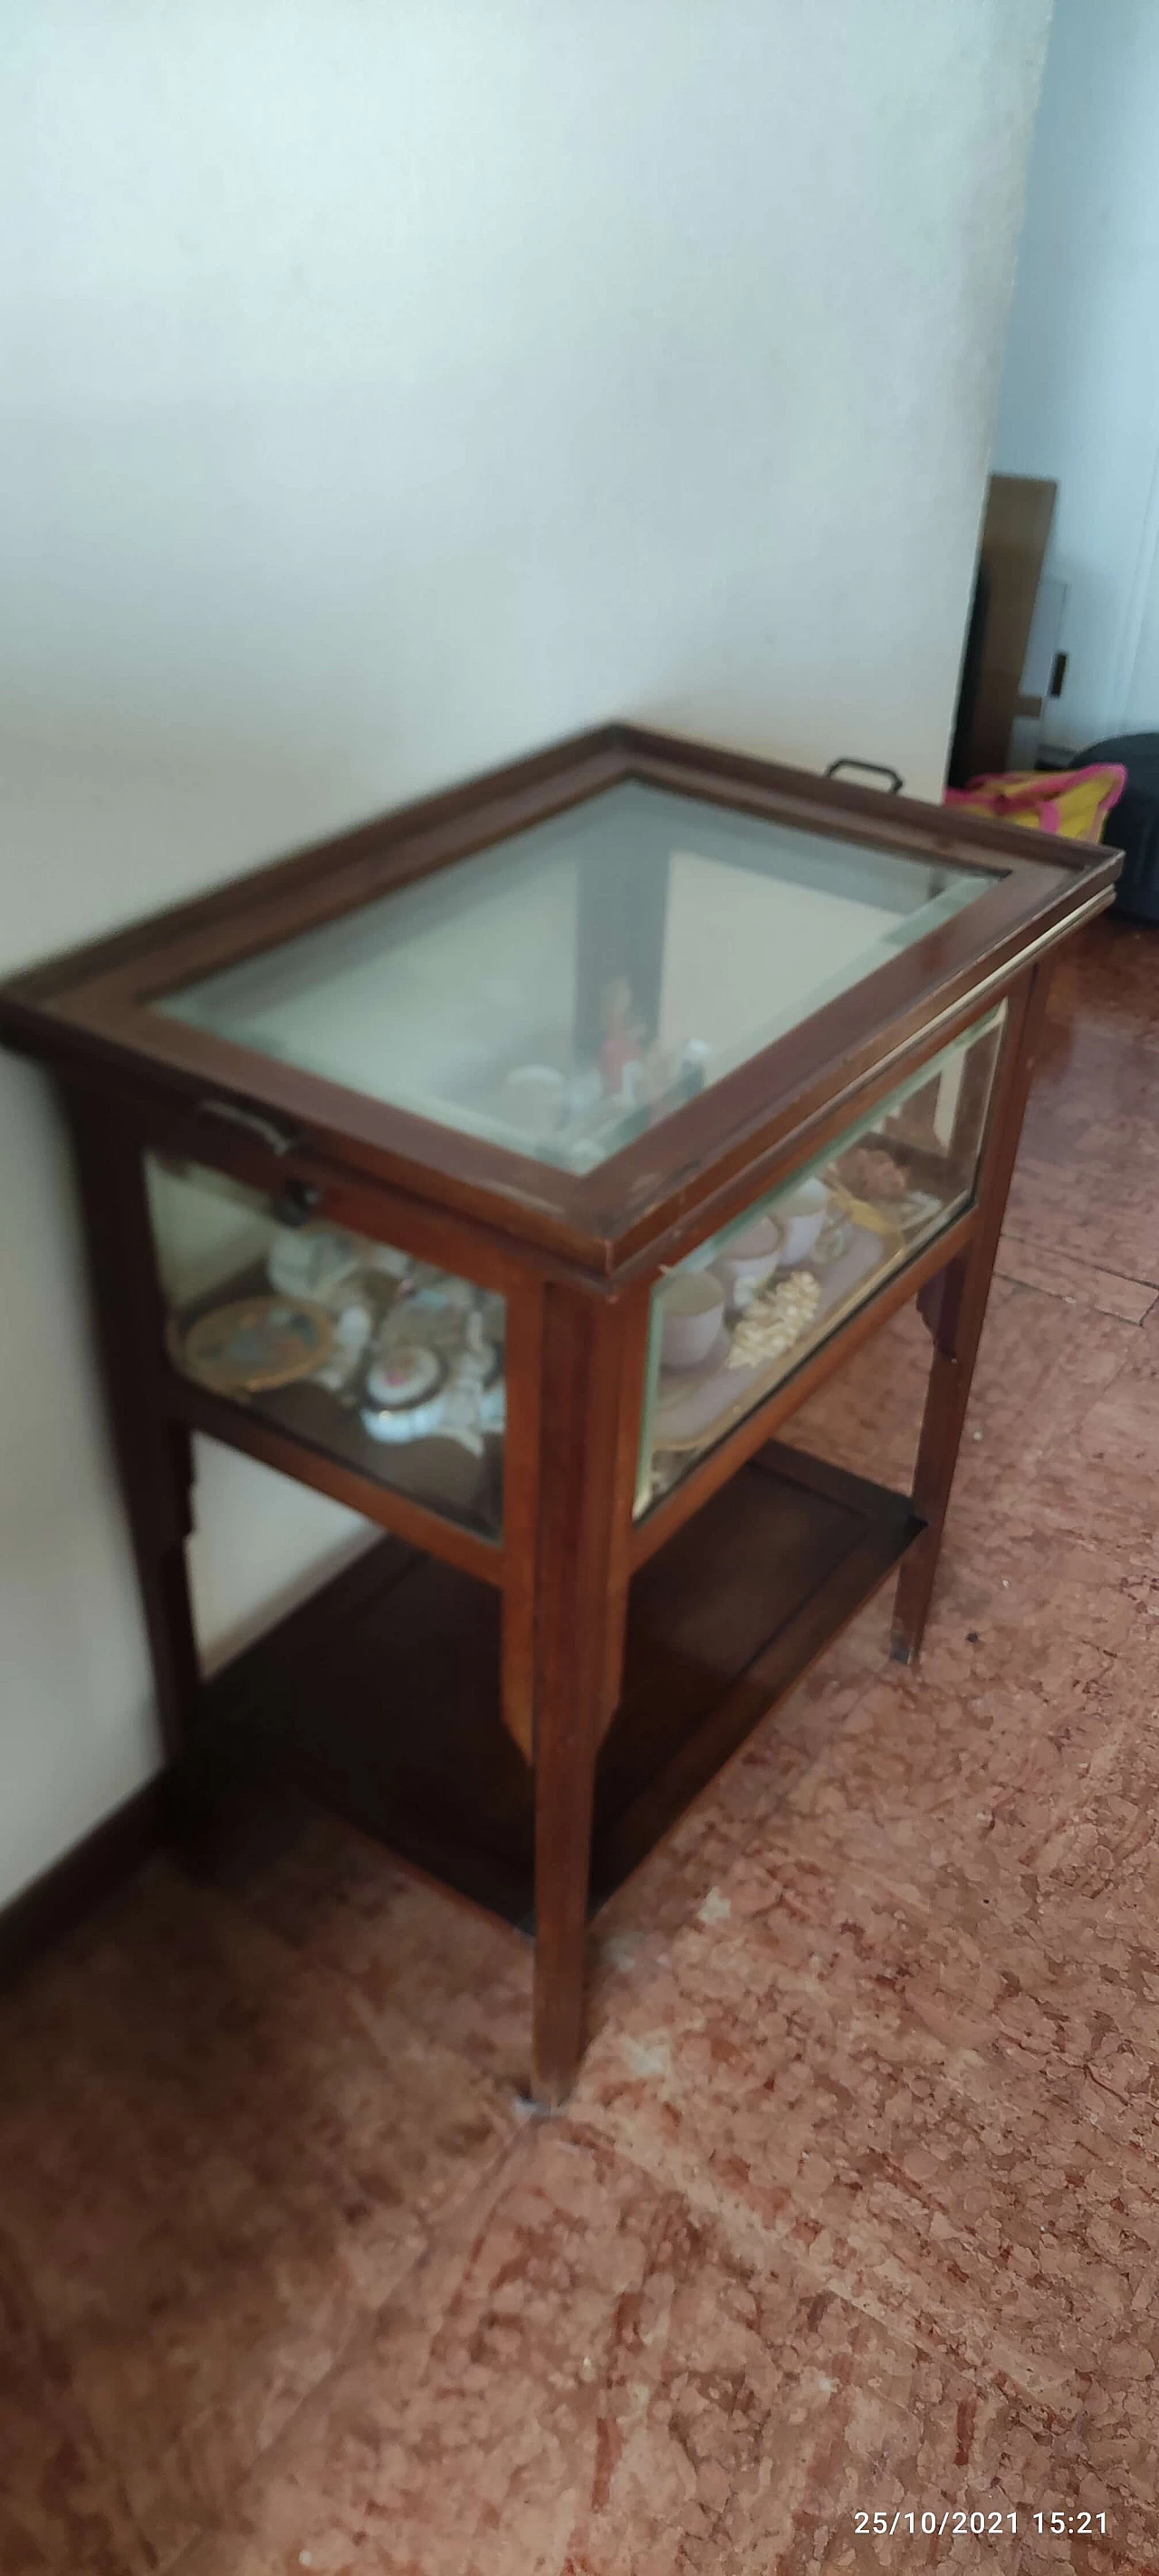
547,1144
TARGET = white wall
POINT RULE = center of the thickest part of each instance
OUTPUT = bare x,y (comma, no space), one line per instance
393,390
1080,392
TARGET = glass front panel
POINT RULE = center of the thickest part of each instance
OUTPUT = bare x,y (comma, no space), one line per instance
360,1350
741,1312
570,987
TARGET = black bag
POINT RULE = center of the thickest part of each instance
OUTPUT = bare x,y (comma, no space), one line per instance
1134,824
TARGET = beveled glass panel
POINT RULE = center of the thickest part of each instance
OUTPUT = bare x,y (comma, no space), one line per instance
383,1361
572,985
741,1312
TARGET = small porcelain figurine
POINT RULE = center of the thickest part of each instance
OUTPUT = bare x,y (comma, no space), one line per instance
623,1045
695,1058
353,1326
393,1265
463,1403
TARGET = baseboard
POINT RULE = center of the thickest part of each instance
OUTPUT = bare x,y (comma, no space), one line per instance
81,1879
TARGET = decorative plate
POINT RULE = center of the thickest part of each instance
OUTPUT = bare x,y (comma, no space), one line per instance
258,1343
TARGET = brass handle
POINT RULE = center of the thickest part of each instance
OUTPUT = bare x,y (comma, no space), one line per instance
878,768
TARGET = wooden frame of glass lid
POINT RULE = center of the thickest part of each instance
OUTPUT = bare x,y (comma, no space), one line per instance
746,974
105,994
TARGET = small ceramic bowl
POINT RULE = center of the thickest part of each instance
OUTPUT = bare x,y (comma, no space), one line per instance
693,1314
802,1213
402,1376
752,1256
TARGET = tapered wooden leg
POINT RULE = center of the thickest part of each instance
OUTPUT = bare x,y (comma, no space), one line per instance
152,1451
954,1308
585,1494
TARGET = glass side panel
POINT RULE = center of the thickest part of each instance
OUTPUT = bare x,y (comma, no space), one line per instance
739,1314
382,1361
564,990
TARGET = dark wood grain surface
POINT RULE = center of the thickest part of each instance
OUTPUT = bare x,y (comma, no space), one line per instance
381,1696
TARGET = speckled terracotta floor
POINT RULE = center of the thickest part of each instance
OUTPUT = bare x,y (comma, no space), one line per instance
856,2208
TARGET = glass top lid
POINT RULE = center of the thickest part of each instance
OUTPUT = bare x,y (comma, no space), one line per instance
565,989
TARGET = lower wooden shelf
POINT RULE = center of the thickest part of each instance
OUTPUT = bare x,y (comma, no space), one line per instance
380,1696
